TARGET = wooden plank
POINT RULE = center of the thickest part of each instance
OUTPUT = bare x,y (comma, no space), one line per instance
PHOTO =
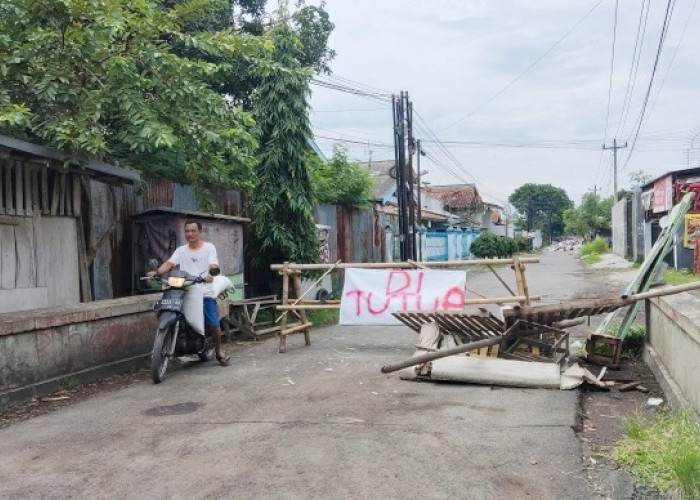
44,190
24,243
39,251
55,177
77,194
83,268
8,257
9,203
2,183
62,195
28,202
36,201
19,190
9,220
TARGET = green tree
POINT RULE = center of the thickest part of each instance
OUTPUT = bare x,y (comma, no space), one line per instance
638,179
282,202
339,181
101,79
542,207
590,218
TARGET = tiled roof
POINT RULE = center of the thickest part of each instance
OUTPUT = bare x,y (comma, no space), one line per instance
456,195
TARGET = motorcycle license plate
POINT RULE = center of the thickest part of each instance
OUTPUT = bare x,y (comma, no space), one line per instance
171,304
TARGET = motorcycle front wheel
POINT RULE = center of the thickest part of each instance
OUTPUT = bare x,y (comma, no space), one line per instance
207,353
162,351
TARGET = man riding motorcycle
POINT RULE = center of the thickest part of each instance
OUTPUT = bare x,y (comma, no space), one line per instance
197,258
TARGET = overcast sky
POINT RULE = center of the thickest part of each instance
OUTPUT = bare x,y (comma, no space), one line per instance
505,74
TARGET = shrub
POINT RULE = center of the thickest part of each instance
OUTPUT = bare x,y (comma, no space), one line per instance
633,344
489,245
597,246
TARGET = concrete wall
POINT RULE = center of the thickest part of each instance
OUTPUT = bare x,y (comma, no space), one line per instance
673,347
52,343
619,228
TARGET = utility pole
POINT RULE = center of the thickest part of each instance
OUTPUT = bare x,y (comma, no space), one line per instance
419,152
411,233
614,148
401,175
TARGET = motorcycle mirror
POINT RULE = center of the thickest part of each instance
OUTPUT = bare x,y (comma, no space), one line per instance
152,264
214,271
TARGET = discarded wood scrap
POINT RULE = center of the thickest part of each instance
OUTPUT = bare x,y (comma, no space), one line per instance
447,365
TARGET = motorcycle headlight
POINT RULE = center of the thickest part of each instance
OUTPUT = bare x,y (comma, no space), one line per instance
176,282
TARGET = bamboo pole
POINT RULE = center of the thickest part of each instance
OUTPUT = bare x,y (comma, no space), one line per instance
301,296
302,312
285,301
402,265
441,353
501,300
498,277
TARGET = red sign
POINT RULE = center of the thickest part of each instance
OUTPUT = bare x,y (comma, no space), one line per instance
663,195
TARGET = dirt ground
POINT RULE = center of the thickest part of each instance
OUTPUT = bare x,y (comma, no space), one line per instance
602,413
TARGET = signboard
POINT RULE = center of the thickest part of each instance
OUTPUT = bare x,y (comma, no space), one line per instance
692,230
370,296
663,195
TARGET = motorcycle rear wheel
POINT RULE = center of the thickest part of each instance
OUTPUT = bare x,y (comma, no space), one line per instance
162,349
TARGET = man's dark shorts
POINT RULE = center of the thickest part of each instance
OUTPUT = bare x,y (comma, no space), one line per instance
211,312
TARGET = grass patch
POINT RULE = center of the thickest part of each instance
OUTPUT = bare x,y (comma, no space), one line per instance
679,276
68,384
591,259
323,317
664,454
597,246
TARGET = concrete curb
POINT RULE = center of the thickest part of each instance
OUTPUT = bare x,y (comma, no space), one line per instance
673,393
46,387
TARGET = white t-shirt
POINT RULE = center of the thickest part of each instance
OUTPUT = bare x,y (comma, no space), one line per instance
197,262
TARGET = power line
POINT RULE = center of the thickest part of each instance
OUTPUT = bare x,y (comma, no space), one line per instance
634,66
662,38
532,65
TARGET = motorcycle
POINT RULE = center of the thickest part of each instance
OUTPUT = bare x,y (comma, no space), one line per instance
181,319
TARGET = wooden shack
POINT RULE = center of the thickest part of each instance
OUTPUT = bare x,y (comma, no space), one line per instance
44,258
158,231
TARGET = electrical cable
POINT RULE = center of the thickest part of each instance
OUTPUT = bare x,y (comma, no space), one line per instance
532,65
664,30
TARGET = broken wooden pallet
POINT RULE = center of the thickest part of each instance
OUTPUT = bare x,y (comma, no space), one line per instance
464,326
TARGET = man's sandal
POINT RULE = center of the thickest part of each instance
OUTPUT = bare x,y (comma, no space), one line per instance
224,360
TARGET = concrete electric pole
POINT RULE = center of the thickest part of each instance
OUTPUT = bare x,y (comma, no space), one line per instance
614,148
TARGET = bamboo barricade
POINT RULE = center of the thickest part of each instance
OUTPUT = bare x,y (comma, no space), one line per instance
290,271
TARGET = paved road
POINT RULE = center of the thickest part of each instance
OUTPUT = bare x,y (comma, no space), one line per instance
315,422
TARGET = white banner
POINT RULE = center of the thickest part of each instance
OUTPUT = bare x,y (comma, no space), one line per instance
370,296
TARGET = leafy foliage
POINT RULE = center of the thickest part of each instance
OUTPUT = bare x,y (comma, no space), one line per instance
597,246
542,206
339,181
282,202
101,79
590,218
488,245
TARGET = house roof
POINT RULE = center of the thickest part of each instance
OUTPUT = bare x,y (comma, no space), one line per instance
425,214
98,168
381,176
456,195
188,213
